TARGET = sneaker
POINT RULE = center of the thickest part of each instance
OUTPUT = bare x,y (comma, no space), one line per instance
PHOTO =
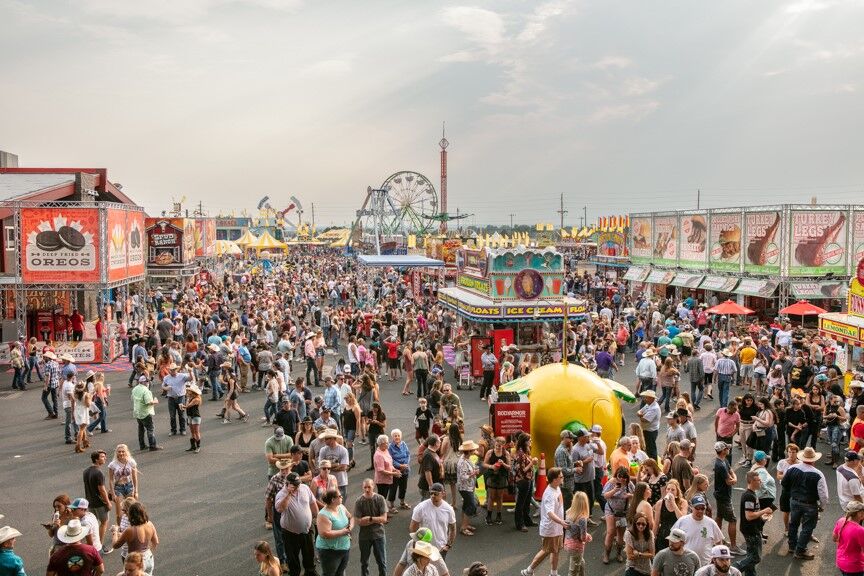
268,525
803,556
156,448
737,551
224,421
526,572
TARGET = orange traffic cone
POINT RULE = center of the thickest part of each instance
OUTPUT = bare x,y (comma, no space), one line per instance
540,483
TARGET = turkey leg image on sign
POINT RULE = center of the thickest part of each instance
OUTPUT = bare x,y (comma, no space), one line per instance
759,244
811,252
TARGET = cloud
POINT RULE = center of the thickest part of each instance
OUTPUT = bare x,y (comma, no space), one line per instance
177,11
332,68
539,19
616,112
484,28
640,86
610,62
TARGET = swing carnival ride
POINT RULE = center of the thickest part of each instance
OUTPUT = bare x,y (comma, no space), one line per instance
286,223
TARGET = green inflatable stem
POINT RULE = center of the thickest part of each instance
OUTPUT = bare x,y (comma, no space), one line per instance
574,426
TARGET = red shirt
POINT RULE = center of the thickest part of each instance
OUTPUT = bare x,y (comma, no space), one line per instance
77,322
77,559
392,349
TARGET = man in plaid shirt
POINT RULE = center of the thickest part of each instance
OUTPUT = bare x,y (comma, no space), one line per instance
52,381
726,370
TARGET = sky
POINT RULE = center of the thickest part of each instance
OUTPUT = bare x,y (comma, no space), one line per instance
619,106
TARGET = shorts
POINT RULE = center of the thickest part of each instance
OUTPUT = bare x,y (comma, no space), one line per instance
393,363
124,490
469,502
725,511
319,352
101,513
746,370
196,421
551,544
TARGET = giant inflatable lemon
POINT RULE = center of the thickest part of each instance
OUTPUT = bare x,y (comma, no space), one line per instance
569,397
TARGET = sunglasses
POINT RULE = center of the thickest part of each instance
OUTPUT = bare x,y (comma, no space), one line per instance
641,523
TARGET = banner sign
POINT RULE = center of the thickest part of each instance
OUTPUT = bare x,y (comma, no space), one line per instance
719,283
685,280
61,245
473,261
818,290
694,241
511,418
660,276
641,236
756,287
545,310
725,242
855,298
818,242
135,243
117,244
666,240
636,274
476,284
839,329
762,243
83,351
165,241
857,239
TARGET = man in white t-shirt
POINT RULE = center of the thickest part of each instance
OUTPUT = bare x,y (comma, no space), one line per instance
80,508
702,532
552,523
849,480
438,516
66,392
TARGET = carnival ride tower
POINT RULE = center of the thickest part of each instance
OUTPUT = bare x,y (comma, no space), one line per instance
443,190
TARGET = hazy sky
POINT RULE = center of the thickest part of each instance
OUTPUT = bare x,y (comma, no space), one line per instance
622,106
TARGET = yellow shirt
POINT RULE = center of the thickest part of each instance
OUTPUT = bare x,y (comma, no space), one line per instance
747,354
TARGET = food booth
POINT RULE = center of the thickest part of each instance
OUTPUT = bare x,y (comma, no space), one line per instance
848,329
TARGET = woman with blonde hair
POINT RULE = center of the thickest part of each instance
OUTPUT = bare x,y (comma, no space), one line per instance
635,429
700,487
667,511
122,477
81,413
351,418
576,535
192,406
133,565
268,564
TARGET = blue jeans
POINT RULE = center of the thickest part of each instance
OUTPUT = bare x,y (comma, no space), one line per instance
277,537
18,378
333,562
70,431
723,382
32,363
270,410
215,387
146,425
803,515
51,406
665,396
747,565
175,413
696,390
102,420
377,547
835,436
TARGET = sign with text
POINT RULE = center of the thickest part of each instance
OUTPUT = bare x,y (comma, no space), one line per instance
665,240
762,243
61,245
640,239
839,328
165,241
135,243
694,241
857,252
509,418
475,284
724,240
818,242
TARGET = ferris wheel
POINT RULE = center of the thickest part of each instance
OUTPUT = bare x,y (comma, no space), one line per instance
405,203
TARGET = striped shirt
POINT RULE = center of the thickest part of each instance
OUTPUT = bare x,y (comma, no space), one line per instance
52,373
726,366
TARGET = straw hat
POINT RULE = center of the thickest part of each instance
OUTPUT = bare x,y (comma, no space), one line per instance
468,445
226,365
72,532
283,463
193,388
50,355
427,550
89,374
649,394
328,434
728,353
809,455
648,353
213,348
7,533
67,358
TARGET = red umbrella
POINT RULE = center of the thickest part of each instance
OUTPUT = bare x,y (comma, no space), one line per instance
729,307
803,308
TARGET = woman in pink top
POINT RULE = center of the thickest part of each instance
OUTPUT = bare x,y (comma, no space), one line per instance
849,536
384,470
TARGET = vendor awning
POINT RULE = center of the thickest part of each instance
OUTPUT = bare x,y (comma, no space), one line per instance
756,287
636,274
399,261
685,280
481,309
719,283
660,276
842,327
817,290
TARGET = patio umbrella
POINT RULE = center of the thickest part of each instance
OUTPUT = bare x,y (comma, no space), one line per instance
803,308
729,308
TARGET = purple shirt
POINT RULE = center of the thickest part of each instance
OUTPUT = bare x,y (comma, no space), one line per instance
604,361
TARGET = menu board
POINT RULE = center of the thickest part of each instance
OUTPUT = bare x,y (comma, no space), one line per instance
724,238
694,241
665,244
640,235
818,242
763,242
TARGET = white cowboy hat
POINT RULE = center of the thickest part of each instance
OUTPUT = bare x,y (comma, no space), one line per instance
809,455
7,533
72,532
648,393
329,433
213,348
50,355
648,353
67,358
193,388
426,549
468,445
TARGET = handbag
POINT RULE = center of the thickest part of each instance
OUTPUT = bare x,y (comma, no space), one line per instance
751,440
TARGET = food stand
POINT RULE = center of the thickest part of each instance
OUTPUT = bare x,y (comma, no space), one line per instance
848,329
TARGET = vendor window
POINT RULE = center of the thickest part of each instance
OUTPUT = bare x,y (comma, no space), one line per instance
9,238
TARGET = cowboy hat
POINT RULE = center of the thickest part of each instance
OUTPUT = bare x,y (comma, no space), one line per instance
283,463
67,358
648,353
226,364
648,393
427,550
213,348
728,353
7,533
50,355
89,374
468,445
809,455
193,388
329,433
486,428
72,532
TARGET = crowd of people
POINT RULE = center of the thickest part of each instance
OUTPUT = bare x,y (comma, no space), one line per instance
305,350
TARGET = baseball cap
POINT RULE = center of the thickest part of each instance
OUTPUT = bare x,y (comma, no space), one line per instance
720,446
851,455
79,504
436,487
677,535
671,415
142,379
686,444
581,432
854,506
566,434
279,432
720,551
698,500
597,429
422,534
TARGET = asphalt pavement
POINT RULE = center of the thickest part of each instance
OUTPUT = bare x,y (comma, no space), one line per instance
208,507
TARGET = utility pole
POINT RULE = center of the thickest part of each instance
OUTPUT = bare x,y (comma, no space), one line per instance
698,197
511,222
585,215
561,211
313,218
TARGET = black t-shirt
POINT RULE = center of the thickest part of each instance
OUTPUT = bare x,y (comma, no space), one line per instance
798,376
429,463
722,491
93,478
288,420
301,468
749,503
